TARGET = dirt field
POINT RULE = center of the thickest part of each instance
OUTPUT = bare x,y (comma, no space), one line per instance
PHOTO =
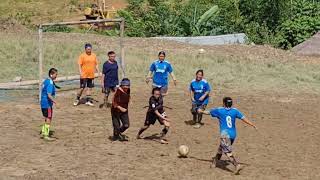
285,147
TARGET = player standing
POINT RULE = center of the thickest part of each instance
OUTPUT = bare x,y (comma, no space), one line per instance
109,79
48,93
199,94
119,110
88,65
227,119
159,71
154,113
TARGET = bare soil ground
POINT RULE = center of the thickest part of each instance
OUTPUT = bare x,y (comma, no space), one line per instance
285,147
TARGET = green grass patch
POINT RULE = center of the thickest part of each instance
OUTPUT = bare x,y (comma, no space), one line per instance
19,57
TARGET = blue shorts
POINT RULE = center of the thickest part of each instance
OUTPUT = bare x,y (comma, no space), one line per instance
163,89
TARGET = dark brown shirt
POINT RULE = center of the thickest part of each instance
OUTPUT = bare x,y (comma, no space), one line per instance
120,98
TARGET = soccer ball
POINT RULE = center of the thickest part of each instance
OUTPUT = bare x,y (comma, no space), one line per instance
183,151
201,51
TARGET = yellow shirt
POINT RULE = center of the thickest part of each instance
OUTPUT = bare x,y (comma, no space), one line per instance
88,65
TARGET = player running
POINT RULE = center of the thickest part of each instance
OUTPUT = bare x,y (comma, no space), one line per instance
160,69
48,93
88,65
227,120
119,110
154,113
199,94
109,79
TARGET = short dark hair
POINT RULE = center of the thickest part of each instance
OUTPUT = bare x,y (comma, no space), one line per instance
111,52
227,102
52,71
200,70
156,89
162,52
87,45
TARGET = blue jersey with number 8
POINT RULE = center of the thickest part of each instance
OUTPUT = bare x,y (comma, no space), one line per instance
227,120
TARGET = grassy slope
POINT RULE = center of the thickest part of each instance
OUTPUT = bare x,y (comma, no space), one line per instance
229,69
19,56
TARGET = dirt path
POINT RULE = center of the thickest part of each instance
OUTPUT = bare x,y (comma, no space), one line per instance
286,146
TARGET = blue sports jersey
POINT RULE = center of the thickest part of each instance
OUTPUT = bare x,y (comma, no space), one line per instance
227,120
47,88
199,88
161,70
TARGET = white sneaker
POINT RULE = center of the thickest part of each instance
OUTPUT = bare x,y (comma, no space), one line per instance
89,103
76,102
197,126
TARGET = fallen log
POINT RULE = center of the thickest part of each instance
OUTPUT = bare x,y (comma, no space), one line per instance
22,84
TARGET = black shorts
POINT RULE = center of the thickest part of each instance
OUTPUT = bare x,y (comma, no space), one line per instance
47,112
151,119
195,107
107,90
86,82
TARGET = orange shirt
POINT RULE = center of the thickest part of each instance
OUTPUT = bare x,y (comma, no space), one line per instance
88,65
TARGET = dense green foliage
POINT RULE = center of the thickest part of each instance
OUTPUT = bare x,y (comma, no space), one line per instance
283,23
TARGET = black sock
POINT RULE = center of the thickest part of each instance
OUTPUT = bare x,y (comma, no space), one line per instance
233,160
78,97
164,131
218,156
194,117
199,118
141,131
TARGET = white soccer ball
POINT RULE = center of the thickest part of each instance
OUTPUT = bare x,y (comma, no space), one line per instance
201,51
183,151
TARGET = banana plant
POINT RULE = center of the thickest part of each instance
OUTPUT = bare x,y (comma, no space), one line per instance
205,17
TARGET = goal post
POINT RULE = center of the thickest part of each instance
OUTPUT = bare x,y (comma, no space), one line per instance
121,21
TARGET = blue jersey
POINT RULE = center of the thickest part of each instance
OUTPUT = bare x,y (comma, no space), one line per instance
199,88
47,88
227,120
161,70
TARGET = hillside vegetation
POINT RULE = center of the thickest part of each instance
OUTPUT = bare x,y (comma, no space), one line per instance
282,23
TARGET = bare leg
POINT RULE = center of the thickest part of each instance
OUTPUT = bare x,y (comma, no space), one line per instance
164,133
142,130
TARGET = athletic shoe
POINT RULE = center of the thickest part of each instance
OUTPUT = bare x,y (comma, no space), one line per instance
76,102
163,141
214,162
139,136
197,126
89,103
237,169
47,138
101,105
123,138
115,138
